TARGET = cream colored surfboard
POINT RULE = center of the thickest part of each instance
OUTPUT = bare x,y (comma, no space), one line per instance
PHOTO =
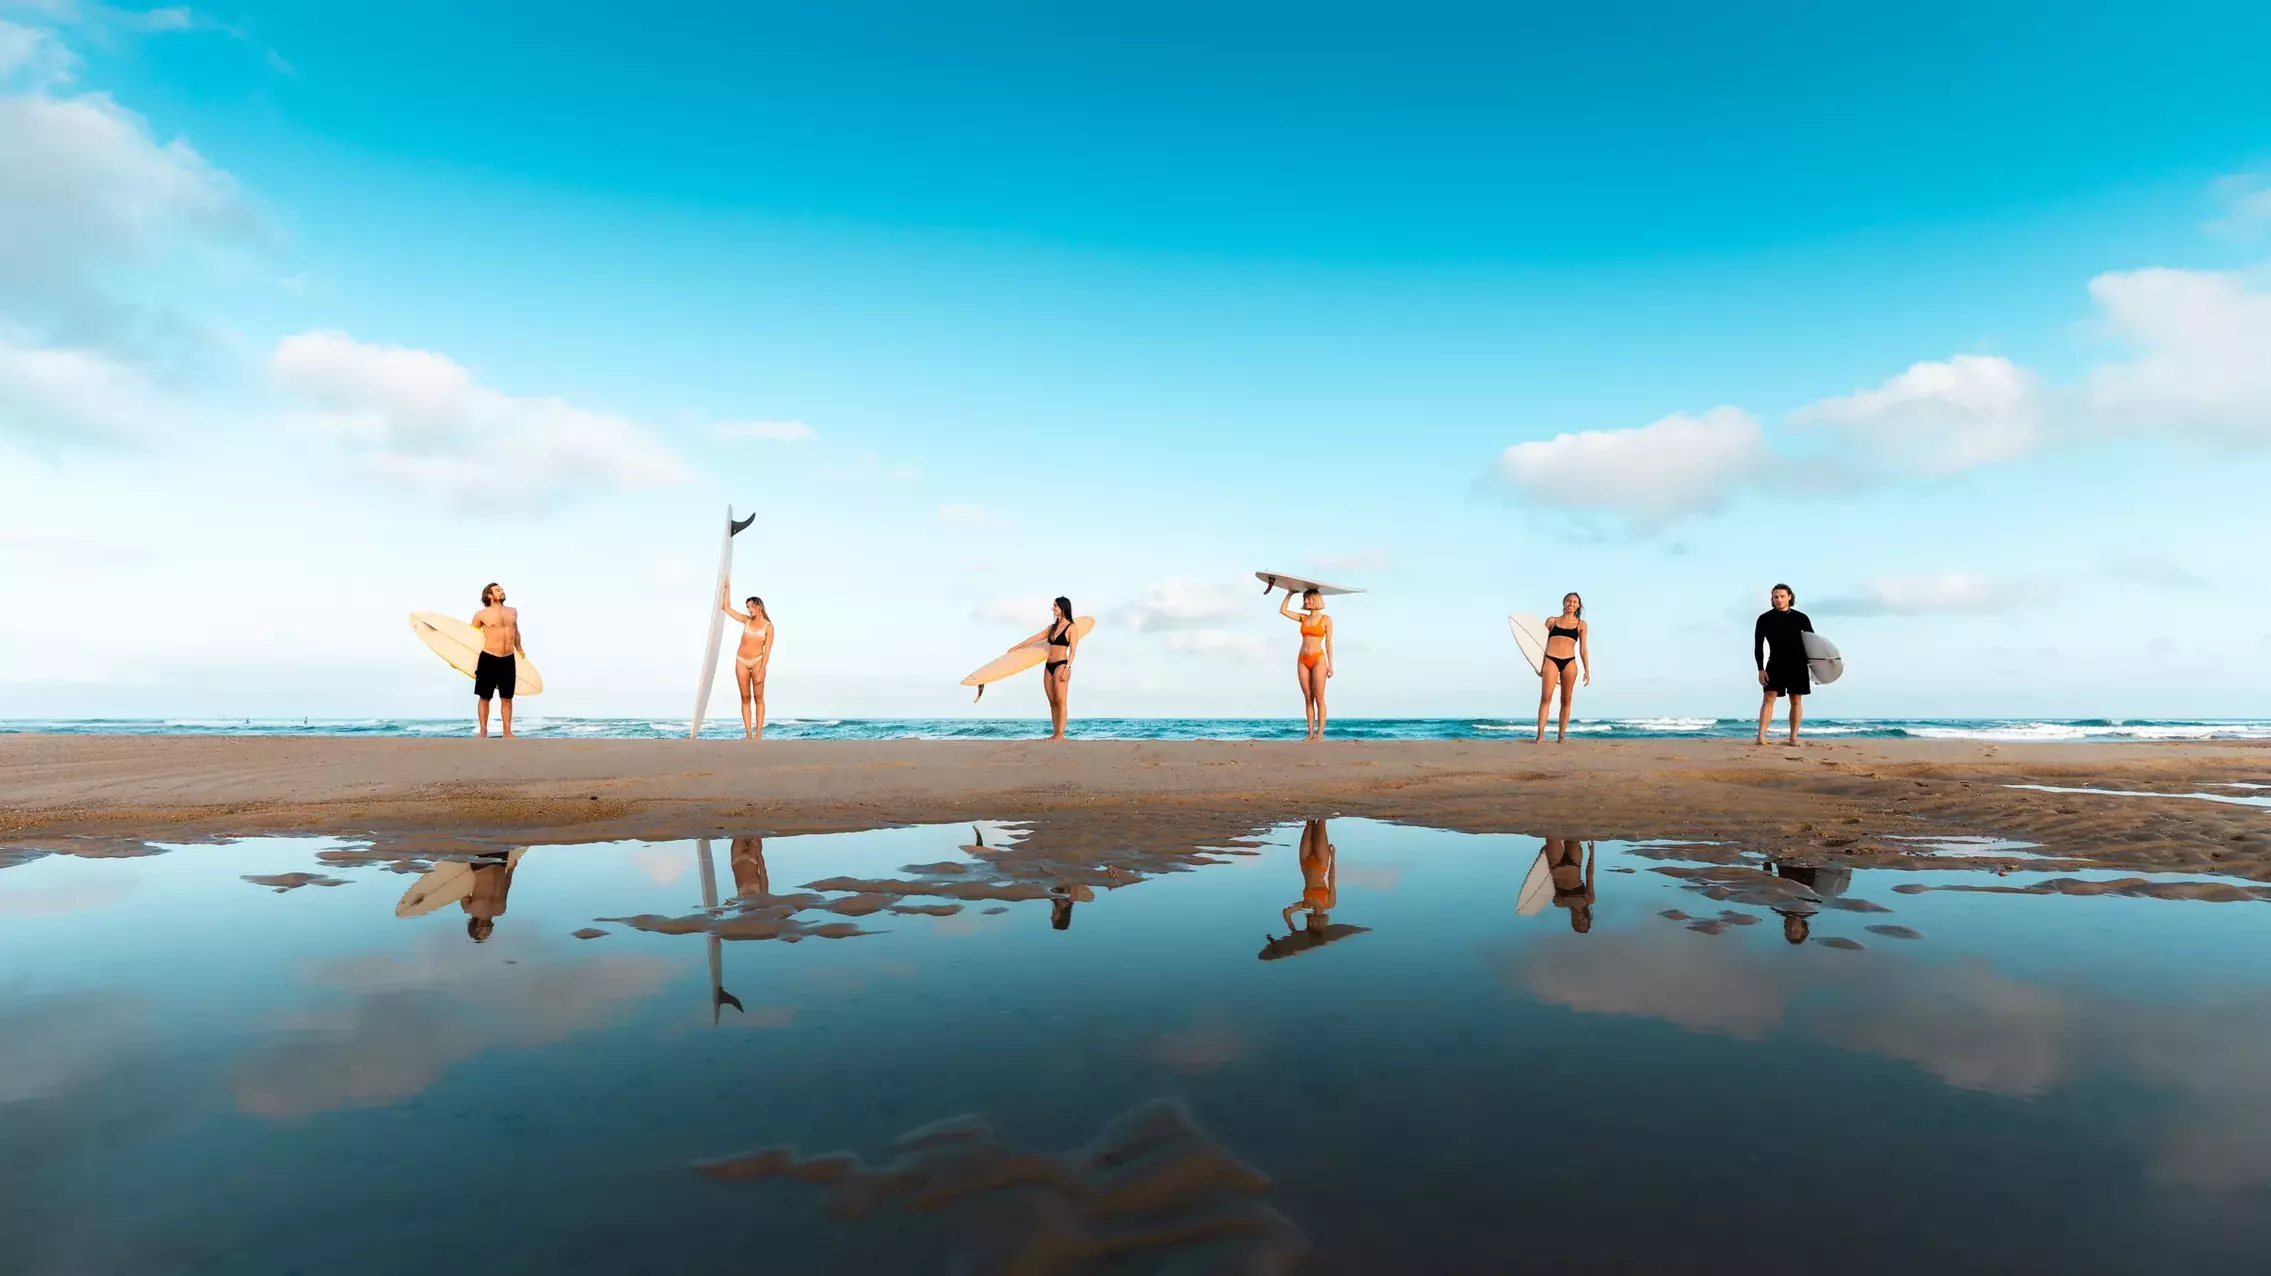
446,883
1023,658
460,644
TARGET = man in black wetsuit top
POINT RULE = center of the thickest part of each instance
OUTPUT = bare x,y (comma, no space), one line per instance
1781,657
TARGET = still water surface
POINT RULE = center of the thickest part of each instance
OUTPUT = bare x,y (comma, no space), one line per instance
1646,1057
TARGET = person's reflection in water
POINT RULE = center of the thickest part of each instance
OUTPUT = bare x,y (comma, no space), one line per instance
492,880
750,878
1319,896
1061,900
1797,920
1571,861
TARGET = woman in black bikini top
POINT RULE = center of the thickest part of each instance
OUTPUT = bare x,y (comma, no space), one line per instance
1565,647
1061,634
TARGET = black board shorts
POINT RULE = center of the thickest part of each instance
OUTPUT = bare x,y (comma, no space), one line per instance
1790,680
494,675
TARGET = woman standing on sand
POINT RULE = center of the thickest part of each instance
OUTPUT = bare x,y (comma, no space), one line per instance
1056,673
1779,649
1315,663
749,660
1566,652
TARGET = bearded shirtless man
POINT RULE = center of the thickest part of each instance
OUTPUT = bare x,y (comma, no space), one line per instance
495,673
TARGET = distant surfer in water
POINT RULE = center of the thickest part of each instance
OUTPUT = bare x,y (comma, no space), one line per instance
495,672
1780,653
1056,673
1567,655
749,660
1315,663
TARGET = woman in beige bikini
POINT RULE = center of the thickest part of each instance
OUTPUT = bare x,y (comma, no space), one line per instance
750,659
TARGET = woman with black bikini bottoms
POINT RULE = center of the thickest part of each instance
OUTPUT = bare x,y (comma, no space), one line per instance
1056,673
1567,656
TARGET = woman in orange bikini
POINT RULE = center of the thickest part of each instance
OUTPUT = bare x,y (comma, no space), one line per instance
1315,663
1056,672
749,660
1566,649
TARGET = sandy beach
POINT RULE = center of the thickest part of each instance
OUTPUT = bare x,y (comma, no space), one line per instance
1854,800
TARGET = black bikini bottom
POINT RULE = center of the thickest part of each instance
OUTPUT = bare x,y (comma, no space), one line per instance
1561,662
1052,666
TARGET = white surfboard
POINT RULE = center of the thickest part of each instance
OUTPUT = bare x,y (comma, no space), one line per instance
1020,659
1530,636
460,644
1822,660
1537,889
717,620
445,884
1300,584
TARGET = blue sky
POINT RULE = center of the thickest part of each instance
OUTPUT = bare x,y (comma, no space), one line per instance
1956,317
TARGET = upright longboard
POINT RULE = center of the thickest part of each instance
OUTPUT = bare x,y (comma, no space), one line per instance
1022,658
717,620
460,644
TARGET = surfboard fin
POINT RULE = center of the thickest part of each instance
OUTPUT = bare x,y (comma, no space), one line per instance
981,694
736,528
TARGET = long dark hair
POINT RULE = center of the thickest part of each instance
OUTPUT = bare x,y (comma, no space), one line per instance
1064,605
757,604
1787,590
485,592
1580,602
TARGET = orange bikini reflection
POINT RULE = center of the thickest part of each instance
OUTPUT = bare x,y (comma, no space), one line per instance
1320,894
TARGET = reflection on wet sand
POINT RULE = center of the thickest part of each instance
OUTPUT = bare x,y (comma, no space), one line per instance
1062,861
1152,1192
1320,894
1570,862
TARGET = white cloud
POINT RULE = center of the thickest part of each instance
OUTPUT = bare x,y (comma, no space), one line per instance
2204,362
2245,202
73,395
34,56
1937,418
2154,571
777,431
1946,593
1186,604
1219,642
86,191
419,419
1679,465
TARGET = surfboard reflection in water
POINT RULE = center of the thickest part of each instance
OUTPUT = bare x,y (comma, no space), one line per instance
295,1053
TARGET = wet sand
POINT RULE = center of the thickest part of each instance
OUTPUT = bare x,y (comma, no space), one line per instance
1830,798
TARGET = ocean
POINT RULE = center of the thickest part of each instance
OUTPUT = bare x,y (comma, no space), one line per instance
537,726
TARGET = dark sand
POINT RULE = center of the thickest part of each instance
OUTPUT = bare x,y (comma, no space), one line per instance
1832,800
